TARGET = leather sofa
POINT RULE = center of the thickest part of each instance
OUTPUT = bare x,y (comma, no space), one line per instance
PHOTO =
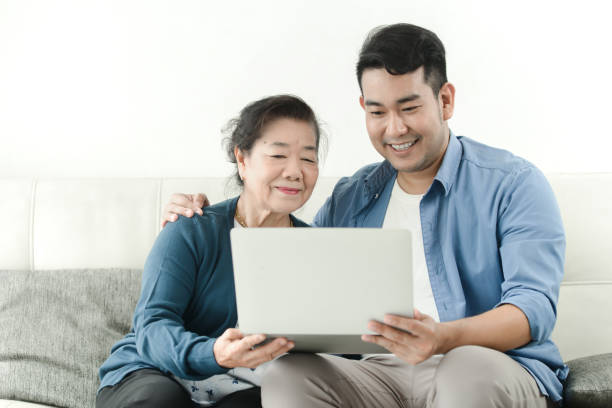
71,252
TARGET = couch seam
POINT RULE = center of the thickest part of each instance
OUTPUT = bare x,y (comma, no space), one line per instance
31,222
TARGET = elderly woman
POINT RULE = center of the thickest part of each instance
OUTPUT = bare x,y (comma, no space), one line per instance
185,348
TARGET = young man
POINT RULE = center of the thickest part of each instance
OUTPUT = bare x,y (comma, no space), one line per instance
488,256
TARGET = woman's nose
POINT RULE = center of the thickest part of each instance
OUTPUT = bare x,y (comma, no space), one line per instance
293,169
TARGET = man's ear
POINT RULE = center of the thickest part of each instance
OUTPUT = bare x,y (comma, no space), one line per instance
361,102
446,99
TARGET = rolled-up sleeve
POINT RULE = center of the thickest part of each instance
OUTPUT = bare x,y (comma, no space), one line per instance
532,249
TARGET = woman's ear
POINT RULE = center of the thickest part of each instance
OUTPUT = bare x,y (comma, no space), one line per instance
239,161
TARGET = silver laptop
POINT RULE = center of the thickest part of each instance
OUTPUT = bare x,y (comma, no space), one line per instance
320,286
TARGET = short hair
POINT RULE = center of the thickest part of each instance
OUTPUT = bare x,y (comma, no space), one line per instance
244,130
403,48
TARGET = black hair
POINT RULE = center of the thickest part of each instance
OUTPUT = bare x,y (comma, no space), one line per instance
244,130
403,48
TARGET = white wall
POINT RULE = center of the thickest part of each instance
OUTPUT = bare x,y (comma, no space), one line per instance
142,88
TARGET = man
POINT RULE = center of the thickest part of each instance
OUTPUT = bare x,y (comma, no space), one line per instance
488,256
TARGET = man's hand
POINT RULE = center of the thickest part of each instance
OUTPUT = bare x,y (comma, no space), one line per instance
411,339
183,204
416,339
233,349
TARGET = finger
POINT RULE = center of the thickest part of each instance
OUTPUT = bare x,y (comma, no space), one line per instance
274,347
392,333
168,217
381,341
182,200
179,210
232,334
401,322
200,200
418,315
248,342
415,326
271,351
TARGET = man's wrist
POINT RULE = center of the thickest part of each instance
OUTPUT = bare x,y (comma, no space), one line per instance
448,336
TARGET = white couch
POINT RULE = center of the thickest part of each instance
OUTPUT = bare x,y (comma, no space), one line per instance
78,224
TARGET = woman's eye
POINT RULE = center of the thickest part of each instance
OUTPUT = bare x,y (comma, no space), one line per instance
278,156
308,160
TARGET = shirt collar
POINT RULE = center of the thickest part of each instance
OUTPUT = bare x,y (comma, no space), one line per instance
447,173
376,181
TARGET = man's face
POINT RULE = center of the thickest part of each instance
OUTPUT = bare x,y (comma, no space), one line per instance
405,120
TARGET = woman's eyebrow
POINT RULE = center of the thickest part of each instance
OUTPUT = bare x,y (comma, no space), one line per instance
282,144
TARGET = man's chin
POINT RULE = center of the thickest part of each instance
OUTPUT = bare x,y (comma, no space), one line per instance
404,167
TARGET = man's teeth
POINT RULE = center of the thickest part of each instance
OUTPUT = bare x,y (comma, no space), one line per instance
403,146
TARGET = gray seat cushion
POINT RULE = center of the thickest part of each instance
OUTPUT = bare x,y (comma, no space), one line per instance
56,329
589,383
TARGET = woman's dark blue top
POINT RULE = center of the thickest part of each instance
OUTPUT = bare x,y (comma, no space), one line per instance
187,300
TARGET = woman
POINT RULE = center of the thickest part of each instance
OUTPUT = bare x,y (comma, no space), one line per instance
184,345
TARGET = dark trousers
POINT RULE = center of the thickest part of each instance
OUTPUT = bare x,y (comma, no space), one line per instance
153,389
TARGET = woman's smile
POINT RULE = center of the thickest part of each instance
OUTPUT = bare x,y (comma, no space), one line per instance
288,190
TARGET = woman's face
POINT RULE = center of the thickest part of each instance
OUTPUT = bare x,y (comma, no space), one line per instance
281,169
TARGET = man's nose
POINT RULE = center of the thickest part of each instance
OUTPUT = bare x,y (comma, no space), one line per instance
396,126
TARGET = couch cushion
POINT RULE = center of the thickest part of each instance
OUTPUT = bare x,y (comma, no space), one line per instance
21,404
56,329
589,383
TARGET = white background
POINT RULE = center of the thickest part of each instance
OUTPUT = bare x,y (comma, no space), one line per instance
142,88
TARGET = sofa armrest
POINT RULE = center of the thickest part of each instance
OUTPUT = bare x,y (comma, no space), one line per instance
589,383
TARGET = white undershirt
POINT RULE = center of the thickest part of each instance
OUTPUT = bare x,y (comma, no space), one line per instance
404,212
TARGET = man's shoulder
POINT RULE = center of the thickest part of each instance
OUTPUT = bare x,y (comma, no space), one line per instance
360,177
486,157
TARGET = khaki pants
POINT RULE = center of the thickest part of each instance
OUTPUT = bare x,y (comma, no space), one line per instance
468,376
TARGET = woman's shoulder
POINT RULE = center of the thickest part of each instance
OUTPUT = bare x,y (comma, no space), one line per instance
224,209
214,218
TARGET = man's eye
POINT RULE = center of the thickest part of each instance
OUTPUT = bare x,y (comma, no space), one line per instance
409,108
376,113
308,160
278,156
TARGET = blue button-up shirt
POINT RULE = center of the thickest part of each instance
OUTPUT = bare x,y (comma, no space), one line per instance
492,235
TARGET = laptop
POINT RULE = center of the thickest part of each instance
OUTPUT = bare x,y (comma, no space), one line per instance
320,286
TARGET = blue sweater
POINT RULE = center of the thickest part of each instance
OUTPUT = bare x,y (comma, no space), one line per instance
187,300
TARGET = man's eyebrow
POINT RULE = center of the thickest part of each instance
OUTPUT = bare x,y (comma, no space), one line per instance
408,98
405,99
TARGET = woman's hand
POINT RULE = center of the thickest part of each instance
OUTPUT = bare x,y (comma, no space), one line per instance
233,349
